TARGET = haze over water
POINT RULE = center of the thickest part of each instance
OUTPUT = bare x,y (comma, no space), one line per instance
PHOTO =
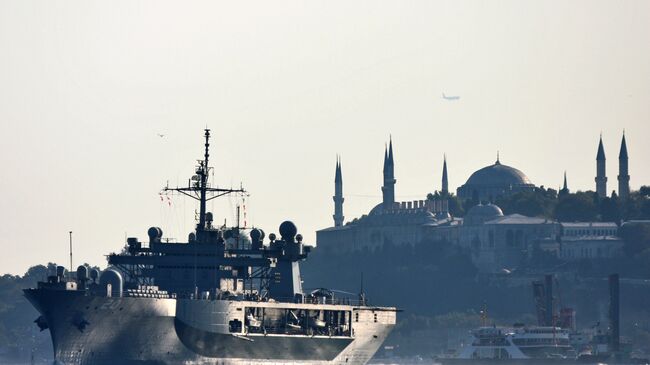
88,86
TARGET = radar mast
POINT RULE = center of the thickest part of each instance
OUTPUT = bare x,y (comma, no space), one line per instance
198,187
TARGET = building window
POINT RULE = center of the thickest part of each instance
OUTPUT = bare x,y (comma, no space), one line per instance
510,238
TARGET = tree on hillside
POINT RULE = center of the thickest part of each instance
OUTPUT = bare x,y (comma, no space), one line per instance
610,210
455,205
578,207
645,209
38,273
645,191
18,334
538,203
636,206
636,237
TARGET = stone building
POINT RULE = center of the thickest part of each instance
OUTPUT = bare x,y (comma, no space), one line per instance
389,222
495,242
499,242
587,240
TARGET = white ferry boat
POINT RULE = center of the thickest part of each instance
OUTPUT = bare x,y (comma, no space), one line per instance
516,345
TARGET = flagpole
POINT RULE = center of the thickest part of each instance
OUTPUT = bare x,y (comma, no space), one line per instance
70,252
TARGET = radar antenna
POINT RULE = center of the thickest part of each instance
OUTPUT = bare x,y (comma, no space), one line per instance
198,187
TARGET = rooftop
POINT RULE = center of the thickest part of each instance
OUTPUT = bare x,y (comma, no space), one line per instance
498,174
589,225
519,219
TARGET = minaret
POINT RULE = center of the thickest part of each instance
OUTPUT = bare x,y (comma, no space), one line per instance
601,176
338,195
388,190
623,176
445,183
565,188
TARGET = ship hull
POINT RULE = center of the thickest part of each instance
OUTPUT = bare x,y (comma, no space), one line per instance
99,330
543,361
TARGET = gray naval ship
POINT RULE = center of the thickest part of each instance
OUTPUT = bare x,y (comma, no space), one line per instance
223,297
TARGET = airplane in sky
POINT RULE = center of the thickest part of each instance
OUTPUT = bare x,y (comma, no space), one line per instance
450,97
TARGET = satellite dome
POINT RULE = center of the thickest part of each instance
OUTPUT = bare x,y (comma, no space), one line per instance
257,234
288,230
155,233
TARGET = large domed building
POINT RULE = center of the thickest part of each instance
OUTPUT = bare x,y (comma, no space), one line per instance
390,221
495,242
494,181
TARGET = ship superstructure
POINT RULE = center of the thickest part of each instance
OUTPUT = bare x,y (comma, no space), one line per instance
226,296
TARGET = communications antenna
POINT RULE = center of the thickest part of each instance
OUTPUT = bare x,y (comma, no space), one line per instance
70,252
198,188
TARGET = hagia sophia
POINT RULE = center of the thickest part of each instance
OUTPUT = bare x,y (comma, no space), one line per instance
493,181
496,242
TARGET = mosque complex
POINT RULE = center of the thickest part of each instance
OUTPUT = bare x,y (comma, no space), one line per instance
495,242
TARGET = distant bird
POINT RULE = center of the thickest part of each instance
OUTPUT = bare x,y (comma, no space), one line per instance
450,97
160,135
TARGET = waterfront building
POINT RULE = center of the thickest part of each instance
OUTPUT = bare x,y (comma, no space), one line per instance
495,242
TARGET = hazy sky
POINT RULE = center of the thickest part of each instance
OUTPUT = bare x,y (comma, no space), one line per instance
85,87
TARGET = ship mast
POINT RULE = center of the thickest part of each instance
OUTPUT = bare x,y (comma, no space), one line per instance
203,173
198,187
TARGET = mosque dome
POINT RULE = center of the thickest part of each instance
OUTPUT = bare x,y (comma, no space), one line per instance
378,209
498,174
493,181
481,213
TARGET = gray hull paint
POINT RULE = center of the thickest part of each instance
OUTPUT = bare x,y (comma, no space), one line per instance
101,331
284,348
